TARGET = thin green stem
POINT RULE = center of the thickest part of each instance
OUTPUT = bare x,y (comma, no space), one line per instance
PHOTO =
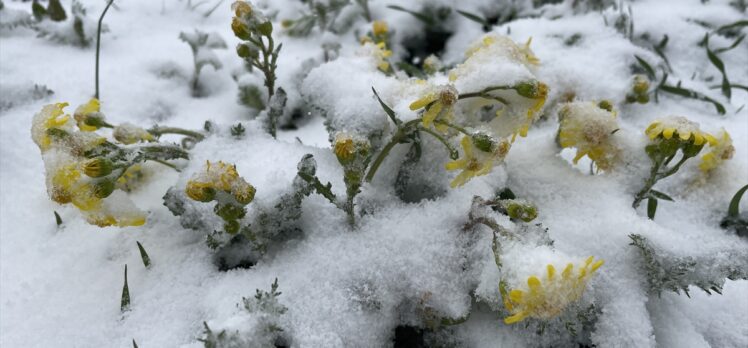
647,184
98,45
453,154
484,93
400,134
159,131
168,165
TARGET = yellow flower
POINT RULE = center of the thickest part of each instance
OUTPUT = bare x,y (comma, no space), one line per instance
379,28
67,187
720,150
51,117
241,8
219,176
588,128
344,147
88,116
680,128
439,104
481,153
548,298
503,45
381,53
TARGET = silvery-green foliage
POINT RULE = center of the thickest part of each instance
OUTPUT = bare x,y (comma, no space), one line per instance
202,45
667,272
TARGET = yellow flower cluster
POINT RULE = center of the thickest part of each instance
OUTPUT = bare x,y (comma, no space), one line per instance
88,116
480,154
680,128
71,178
439,103
548,298
720,150
521,54
219,177
589,128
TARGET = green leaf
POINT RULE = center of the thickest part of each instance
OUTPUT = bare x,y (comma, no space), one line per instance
648,68
717,62
58,219
473,17
38,10
420,16
734,209
134,345
677,90
734,44
735,25
660,195
651,208
144,255
125,302
387,109
55,11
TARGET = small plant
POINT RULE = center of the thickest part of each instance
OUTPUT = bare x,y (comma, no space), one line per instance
202,45
54,24
734,219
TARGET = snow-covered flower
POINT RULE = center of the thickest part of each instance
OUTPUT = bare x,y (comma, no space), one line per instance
589,128
548,298
219,176
720,150
680,128
504,46
88,116
481,154
379,29
439,104
52,117
380,53
517,117
128,133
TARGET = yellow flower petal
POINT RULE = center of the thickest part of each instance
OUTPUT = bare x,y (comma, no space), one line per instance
431,114
668,133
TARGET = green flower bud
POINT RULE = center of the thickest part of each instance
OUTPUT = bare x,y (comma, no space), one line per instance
483,142
642,99
98,167
103,189
200,191
241,30
231,227
520,210
641,84
229,212
266,29
532,89
243,192
606,105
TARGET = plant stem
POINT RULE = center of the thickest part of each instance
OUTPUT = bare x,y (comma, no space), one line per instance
453,126
98,45
159,131
453,154
647,184
400,134
484,93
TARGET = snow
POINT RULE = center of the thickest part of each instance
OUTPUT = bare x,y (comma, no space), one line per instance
406,259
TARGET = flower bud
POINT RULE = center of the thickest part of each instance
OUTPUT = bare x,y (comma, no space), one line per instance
266,28
243,192
241,30
307,165
517,209
104,188
241,8
448,96
379,28
483,142
231,227
287,23
532,89
200,191
606,105
344,148
98,167
229,211
641,84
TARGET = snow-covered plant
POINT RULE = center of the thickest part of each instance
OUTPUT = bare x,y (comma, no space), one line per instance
258,48
202,45
668,272
12,18
639,90
258,325
589,128
670,137
220,182
84,169
54,24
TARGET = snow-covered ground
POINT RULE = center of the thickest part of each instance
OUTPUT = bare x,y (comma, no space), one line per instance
406,261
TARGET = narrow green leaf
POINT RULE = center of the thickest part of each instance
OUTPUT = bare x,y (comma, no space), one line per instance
734,44
473,17
738,24
58,219
717,62
125,302
387,109
144,255
734,209
651,208
677,90
660,195
648,68
134,345
420,16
